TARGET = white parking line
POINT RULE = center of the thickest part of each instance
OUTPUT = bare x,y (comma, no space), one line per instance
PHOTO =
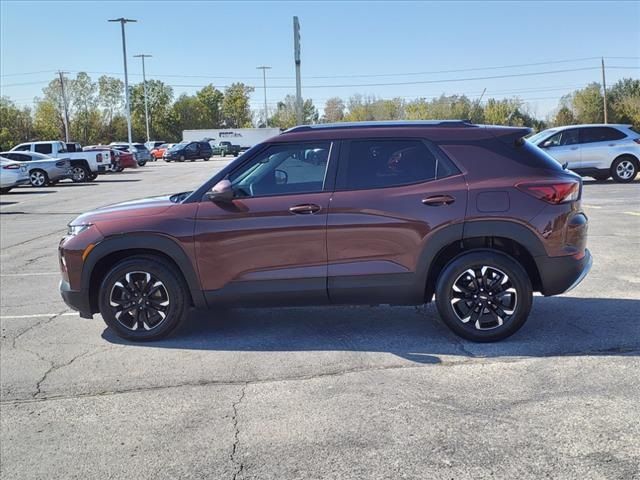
637,214
36,274
591,206
39,315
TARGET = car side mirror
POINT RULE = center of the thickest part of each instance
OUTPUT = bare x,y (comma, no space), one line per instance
281,177
221,192
546,144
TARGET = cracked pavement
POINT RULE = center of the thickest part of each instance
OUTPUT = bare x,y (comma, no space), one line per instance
339,392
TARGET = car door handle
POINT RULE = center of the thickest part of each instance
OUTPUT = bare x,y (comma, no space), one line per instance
574,148
306,209
438,200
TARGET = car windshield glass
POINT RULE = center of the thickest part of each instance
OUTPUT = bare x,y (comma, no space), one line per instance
178,146
139,146
540,135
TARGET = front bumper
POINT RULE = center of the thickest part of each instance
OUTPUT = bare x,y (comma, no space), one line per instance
562,274
78,301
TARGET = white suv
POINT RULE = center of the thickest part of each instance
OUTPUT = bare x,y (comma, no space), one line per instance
597,150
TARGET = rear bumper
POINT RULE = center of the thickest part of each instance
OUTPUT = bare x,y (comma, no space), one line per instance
561,274
78,301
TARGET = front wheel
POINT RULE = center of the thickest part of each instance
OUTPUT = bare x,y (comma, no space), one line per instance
38,178
624,169
142,298
142,163
484,296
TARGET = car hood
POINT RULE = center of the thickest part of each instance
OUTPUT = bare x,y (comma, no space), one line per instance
132,208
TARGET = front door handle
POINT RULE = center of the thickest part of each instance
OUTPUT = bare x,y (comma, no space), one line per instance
306,209
438,200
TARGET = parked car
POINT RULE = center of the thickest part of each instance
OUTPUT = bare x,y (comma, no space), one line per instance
12,174
151,144
139,151
85,165
43,170
599,150
387,213
119,159
158,152
226,148
188,151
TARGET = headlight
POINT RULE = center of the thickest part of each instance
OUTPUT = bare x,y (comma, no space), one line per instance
78,229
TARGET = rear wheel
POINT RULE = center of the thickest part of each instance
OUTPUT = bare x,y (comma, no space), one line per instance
624,169
484,296
143,298
181,159
79,174
38,178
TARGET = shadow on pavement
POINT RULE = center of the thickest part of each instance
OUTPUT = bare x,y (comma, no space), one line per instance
118,180
557,326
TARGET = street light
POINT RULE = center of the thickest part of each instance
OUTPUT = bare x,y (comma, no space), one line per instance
122,21
264,80
144,83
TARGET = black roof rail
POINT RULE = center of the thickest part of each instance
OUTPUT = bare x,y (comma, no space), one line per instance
381,124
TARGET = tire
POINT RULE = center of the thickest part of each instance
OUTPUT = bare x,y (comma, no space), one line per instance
224,153
181,159
142,163
601,177
38,178
235,154
206,159
120,169
476,315
92,176
5,190
169,298
168,160
624,169
193,159
79,174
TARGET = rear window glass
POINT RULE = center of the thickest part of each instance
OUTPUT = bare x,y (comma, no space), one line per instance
43,148
600,134
139,146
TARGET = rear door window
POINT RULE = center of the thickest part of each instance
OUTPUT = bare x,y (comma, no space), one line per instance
45,148
600,134
380,163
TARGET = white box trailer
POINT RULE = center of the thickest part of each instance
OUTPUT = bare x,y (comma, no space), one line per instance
245,137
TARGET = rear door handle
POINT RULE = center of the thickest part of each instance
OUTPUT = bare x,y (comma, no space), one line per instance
438,200
306,209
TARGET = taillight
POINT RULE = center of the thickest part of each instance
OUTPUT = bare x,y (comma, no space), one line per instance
12,166
99,158
554,193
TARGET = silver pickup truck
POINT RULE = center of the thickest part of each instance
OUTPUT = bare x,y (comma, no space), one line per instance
85,166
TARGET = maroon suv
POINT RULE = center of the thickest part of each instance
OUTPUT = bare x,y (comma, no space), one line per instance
363,213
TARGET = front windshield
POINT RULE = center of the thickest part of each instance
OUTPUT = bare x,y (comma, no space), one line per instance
180,145
539,136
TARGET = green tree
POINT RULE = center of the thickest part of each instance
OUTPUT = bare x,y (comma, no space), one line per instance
624,101
86,124
210,99
110,96
564,116
159,98
285,114
16,125
47,123
333,110
588,106
235,106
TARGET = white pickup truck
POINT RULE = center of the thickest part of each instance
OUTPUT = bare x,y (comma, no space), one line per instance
85,166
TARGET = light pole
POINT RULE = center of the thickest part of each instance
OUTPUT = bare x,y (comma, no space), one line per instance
122,21
264,81
144,84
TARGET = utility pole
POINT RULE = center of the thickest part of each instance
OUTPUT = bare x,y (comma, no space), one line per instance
64,106
264,81
122,21
296,57
604,93
144,84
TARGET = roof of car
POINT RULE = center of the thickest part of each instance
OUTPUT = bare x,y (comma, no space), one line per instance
382,124
583,125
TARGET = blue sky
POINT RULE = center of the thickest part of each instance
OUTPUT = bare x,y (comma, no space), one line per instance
196,43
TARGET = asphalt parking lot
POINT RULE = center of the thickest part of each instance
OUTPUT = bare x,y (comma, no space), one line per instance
357,392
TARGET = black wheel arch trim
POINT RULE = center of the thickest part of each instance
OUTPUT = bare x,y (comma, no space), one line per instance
506,229
161,244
